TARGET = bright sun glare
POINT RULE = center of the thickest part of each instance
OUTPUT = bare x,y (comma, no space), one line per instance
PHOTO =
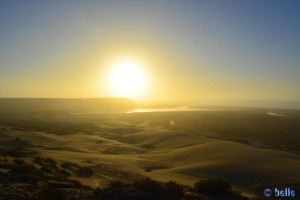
127,79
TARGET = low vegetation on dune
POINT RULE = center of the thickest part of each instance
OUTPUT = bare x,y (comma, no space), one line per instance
213,187
43,178
48,180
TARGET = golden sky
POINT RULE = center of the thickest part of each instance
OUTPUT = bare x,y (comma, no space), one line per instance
187,51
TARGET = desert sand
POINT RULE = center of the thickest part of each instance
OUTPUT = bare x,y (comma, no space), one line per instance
127,146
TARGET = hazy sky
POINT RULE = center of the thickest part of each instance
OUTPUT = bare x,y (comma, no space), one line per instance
190,50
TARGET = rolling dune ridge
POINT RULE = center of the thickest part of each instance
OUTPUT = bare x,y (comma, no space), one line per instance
128,146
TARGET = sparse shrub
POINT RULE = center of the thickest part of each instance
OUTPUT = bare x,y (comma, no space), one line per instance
52,194
213,187
18,161
16,152
62,174
38,160
84,172
52,166
46,170
148,170
98,193
26,169
2,152
50,161
117,184
69,165
78,184
149,186
17,142
111,193
153,189
176,190
5,165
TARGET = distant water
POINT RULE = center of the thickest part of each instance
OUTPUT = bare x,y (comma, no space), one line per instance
183,108
275,114
292,105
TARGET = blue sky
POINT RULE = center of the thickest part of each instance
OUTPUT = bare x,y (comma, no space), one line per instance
194,50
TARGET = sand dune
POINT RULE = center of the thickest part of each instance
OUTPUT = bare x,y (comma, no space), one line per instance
172,153
117,149
238,163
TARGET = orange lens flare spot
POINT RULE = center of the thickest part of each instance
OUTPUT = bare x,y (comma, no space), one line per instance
172,122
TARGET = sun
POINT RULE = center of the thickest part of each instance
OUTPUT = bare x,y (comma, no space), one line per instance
127,79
